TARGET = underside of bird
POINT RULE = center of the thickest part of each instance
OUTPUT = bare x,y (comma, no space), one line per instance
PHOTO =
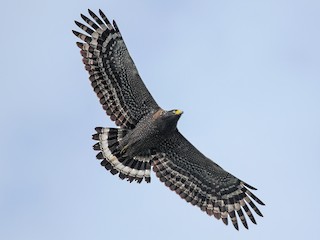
130,152
147,136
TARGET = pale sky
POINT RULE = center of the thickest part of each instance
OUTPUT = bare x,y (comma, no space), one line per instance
246,74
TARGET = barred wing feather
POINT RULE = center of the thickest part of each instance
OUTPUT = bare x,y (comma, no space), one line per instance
203,183
113,74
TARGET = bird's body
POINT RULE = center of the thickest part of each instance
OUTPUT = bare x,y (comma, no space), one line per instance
147,136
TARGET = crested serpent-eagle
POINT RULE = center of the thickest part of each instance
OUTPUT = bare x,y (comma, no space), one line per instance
147,135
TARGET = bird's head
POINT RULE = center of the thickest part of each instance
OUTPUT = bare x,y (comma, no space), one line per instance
167,120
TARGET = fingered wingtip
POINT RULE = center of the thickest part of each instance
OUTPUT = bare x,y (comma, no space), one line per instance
79,44
225,221
76,33
249,186
101,13
77,23
91,12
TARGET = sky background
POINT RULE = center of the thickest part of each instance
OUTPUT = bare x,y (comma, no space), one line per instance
246,74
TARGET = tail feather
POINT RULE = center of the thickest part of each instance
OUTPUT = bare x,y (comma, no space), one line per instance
136,168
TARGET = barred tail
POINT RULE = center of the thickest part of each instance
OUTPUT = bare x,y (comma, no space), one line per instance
136,168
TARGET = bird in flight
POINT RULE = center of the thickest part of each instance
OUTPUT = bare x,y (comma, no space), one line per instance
147,135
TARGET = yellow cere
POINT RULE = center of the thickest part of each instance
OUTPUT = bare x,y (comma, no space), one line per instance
177,112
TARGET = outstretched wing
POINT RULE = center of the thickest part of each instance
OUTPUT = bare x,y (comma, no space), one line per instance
203,183
113,74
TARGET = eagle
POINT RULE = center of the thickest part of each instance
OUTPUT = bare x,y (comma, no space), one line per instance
147,135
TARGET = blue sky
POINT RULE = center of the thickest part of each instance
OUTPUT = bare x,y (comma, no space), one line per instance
246,74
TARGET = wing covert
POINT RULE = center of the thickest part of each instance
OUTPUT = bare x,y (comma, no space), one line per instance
113,74
203,183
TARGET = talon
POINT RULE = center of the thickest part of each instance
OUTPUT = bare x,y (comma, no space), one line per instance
124,149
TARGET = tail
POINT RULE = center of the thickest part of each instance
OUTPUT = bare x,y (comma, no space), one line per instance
136,168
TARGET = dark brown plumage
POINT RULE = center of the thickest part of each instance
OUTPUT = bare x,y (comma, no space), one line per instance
148,135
